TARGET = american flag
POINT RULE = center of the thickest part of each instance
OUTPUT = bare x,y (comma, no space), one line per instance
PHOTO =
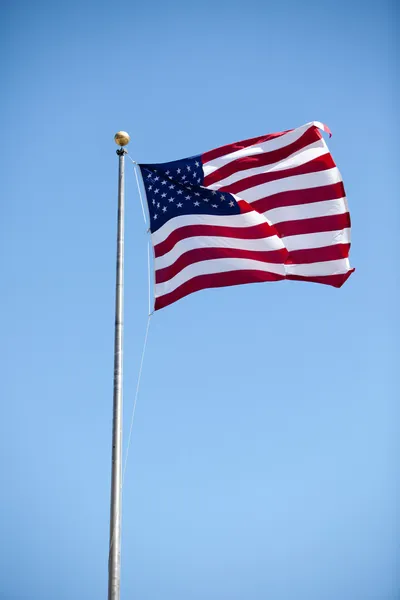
264,209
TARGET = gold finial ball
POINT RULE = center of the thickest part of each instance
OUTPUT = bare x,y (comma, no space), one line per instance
122,138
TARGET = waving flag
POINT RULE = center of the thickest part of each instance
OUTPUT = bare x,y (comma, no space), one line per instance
263,209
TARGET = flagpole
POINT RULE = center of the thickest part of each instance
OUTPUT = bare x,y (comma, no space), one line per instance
114,558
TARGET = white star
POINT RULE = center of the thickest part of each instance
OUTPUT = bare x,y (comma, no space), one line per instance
197,164
197,194
156,191
171,199
164,209
179,205
171,187
187,197
180,192
163,195
231,203
167,172
213,192
158,205
164,182
155,217
188,168
222,197
198,181
197,203
194,174
149,176
206,200
156,178
150,187
214,205
178,171
183,176
154,201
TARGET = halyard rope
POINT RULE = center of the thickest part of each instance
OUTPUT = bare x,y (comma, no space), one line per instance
135,399
139,190
147,328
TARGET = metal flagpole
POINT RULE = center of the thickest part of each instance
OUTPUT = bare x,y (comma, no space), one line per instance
114,556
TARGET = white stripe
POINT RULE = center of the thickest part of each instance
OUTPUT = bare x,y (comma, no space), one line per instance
269,146
193,243
326,208
319,125
329,267
296,182
317,240
241,220
217,265
296,159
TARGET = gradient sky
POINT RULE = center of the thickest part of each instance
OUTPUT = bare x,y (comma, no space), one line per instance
264,459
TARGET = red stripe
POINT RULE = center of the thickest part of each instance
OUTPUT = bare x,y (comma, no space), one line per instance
200,254
244,206
313,255
313,166
212,281
296,197
326,129
334,280
254,232
228,148
314,225
265,158
240,277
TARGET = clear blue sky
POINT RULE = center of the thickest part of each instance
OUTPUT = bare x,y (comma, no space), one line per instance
264,460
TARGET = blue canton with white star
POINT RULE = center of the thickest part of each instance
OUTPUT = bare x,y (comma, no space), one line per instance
176,188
